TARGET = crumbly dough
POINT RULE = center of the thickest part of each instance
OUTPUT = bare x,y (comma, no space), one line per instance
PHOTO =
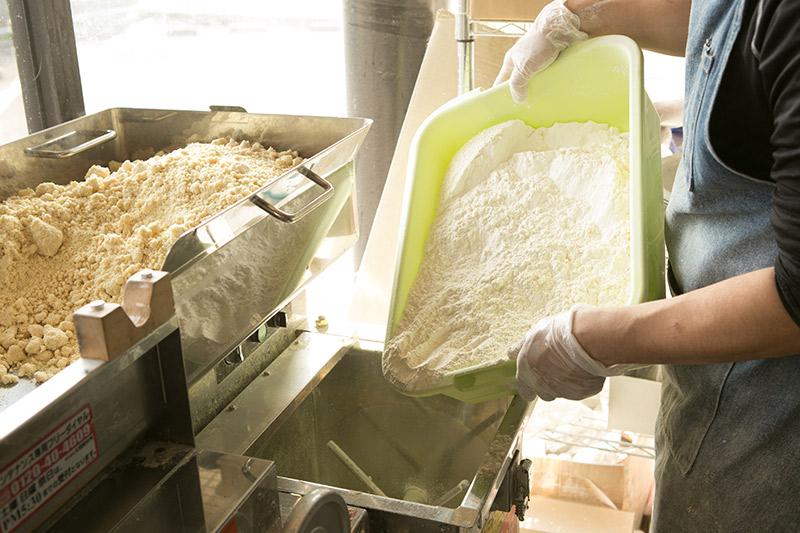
529,222
62,246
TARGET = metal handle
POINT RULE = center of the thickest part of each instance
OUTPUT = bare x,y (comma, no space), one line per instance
97,137
157,118
228,108
303,211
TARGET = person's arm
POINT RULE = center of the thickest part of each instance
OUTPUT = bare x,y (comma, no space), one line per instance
658,25
747,317
751,316
569,355
741,318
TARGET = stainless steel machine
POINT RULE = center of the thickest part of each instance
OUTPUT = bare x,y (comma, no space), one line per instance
207,401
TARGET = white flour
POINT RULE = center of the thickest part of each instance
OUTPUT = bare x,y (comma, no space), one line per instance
530,221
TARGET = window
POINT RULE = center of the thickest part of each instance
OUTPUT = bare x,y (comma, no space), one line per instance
12,112
267,56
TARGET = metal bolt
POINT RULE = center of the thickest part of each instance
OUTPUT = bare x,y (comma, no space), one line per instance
260,335
97,305
147,274
321,324
231,407
265,374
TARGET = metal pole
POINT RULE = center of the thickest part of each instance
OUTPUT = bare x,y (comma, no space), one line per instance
47,60
465,43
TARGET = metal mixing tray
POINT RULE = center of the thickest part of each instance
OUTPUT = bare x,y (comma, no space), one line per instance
246,262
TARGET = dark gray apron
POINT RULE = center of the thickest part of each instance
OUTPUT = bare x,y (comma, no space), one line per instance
728,435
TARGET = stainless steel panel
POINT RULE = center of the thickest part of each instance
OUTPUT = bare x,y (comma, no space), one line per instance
234,270
414,448
273,396
239,493
147,487
229,290
208,396
165,487
141,391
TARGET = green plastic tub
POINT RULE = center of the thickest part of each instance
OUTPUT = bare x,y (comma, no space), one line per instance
598,80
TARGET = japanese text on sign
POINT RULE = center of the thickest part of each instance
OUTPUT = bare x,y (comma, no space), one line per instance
37,475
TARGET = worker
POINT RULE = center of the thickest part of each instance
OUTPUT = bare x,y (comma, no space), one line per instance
728,431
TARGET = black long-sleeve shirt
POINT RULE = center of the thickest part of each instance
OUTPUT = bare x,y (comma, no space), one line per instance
755,124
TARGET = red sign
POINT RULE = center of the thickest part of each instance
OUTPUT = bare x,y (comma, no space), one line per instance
33,478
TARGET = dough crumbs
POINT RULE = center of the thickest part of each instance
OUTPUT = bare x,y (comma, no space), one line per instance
529,222
62,246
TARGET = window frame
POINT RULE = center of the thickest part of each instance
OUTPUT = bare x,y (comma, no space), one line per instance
47,61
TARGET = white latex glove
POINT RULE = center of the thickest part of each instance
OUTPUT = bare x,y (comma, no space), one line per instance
551,363
554,29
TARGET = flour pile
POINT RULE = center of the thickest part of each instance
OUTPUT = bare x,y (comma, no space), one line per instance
62,246
529,222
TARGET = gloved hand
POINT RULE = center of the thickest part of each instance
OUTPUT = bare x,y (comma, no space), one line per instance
554,29
551,363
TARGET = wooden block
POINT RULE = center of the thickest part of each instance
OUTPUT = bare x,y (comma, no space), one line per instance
105,330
